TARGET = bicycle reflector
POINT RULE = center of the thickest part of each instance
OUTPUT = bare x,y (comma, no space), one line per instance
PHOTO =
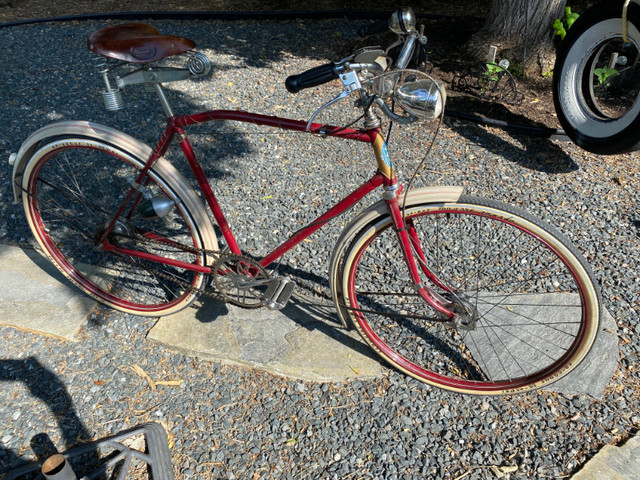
423,98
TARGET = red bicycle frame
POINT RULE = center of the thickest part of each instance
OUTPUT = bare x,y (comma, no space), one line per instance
385,177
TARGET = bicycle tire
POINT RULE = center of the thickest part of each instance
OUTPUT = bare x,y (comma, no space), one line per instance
72,186
600,111
533,298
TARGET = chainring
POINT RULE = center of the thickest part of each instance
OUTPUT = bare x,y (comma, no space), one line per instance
240,280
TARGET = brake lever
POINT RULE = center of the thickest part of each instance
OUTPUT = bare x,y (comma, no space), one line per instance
351,84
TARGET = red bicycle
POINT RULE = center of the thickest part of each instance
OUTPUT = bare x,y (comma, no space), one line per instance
464,293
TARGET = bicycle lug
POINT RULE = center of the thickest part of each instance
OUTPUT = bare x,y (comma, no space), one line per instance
278,293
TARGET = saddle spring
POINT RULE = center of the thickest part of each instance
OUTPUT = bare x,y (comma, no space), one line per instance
112,97
198,64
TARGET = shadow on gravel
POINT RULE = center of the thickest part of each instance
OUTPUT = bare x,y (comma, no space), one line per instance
261,47
45,386
535,153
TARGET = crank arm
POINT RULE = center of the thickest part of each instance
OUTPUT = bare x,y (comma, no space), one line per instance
253,283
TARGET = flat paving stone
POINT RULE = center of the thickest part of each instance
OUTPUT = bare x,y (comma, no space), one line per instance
591,376
304,340
620,462
35,296
595,371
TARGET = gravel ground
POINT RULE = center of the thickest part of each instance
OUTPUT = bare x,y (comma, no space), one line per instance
229,422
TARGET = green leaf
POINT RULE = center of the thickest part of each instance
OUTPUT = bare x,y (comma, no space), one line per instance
605,73
558,26
571,19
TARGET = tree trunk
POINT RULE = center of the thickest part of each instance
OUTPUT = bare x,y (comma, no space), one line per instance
521,29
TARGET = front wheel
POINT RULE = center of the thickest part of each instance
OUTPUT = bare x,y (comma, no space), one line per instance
596,80
529,309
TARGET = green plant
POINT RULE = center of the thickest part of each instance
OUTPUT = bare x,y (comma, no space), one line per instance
515,69
558,26
491,75
604,73
569,17
561,25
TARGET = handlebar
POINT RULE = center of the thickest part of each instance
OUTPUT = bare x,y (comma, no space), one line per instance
312,78
368,72
401,22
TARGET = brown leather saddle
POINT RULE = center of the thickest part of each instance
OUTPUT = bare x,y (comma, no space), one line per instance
136,43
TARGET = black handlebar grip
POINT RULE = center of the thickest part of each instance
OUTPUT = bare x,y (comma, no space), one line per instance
373,29
311,78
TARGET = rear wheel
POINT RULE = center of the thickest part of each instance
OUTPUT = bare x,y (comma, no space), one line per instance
529,310
596,80
72,187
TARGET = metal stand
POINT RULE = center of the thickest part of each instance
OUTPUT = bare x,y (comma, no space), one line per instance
114,457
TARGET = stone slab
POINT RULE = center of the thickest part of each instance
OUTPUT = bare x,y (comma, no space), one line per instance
303,341
306,341
613,463
35,296
590,377
595,372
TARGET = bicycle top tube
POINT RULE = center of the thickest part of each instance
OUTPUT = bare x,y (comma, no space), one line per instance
368,136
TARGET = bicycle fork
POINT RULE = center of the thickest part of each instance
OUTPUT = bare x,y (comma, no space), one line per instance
408,239
406,233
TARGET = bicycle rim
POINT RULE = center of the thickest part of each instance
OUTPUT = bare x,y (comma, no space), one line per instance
531,308
73,187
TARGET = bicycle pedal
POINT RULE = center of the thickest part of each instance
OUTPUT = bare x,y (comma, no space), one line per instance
278,293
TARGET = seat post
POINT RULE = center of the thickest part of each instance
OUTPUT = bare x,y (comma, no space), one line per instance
164,100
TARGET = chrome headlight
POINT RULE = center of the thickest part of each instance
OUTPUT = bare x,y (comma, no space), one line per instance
423,98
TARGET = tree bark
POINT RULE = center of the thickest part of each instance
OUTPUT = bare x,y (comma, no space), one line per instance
522,31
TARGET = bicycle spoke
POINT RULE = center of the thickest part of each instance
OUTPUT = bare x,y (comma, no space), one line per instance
74,193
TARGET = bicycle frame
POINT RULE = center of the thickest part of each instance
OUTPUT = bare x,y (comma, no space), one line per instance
384,177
